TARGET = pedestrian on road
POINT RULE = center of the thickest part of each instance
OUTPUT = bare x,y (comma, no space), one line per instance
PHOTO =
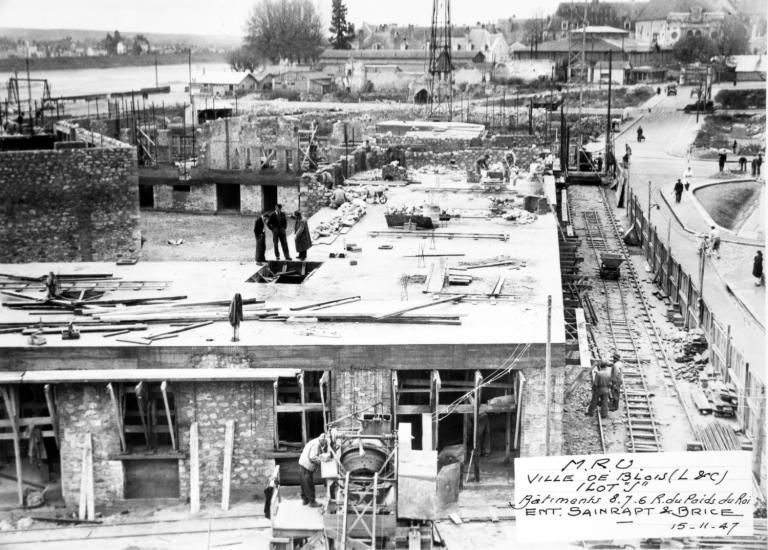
278,224
714,241
678,191
311,457
759,162
617,380
734,146
687,175
601,391
757,268
721,158
261,239
742,164
302,238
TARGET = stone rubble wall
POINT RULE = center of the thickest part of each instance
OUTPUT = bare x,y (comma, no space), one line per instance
69,205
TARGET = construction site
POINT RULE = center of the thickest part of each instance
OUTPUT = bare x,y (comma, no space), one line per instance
463,281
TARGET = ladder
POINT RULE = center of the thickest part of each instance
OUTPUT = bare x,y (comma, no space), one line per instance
360,501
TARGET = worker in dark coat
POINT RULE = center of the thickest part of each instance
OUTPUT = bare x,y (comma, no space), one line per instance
678,190
261,237
302,237
617,380
601,391
757,268
277,225
721,159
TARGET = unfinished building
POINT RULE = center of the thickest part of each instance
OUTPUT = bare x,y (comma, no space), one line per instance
68,196
406,325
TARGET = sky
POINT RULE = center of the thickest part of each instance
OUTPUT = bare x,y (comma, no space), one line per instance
228,16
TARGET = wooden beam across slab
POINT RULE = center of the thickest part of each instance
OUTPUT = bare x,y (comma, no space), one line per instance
456,298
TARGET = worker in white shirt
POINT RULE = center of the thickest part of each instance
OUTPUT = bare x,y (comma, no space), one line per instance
714,241
315,452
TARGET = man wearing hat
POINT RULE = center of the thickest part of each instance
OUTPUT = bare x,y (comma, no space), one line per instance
601,390
277,225
616,380
311,457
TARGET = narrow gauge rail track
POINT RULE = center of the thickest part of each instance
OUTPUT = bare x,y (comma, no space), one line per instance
642,431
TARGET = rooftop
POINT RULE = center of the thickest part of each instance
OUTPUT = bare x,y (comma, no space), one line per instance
527,252
223,77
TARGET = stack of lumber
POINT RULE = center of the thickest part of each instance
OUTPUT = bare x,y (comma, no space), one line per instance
458,276
718,436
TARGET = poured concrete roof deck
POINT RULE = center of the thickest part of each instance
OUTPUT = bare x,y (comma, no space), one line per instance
518,318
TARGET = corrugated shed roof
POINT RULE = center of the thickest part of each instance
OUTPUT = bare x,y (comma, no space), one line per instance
224,77
600,29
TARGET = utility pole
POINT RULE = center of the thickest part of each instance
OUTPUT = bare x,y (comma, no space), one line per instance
650,209
548,376
608,125
702,262
156,84
191,101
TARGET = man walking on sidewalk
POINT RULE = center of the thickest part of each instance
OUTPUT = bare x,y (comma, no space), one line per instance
678,190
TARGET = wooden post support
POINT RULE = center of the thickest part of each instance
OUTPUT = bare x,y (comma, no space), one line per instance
87,506
275,437
436,385
229,442
426,431
117,410
141,401
395,398
164,390
194,469
303,400
323,389
508,440
13,415
520,389
547,378
51,404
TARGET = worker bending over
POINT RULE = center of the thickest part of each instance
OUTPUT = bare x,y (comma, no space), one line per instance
315,452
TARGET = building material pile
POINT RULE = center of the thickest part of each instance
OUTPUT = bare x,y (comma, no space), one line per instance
690,355
347,215
393,172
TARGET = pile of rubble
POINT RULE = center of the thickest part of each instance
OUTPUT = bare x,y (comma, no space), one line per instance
393,172
347,215
690,354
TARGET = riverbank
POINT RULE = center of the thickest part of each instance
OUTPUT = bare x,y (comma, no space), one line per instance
107,61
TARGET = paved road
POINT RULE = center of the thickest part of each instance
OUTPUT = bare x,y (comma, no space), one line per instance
661,160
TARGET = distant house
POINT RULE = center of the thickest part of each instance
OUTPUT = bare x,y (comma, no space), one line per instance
748,67
494,46
120,48
571,15
661,23
226,84
334,61
306,83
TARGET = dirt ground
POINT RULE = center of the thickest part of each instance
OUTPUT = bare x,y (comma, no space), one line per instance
206,238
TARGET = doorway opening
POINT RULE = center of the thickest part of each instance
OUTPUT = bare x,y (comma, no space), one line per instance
146,196
227,197
269,197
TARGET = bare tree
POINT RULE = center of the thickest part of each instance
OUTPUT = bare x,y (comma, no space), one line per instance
284,29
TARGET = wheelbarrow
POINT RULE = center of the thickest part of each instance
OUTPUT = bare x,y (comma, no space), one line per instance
610,263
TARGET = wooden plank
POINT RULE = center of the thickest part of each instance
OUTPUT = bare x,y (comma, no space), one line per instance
13,415
86,508
302,399
117,411
178,330
497,287
456,298
166,403
151,375
51,404
426,431
194,469
141,400
229,442
404,438
338,301
436,384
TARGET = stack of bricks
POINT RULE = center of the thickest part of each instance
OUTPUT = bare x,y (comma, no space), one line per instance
69,205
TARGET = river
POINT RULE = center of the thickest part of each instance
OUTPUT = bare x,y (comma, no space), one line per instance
118,79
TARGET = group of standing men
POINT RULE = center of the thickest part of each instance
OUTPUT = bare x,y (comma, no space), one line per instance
607,380
277,223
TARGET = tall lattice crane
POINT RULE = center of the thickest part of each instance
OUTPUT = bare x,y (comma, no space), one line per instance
440,60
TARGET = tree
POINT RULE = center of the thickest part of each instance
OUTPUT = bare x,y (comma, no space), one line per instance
694,49
732,38
140,45
240,60
342,33
283,30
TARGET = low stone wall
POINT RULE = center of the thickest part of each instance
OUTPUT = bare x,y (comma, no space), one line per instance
211,405
199,198
86,408
69,205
